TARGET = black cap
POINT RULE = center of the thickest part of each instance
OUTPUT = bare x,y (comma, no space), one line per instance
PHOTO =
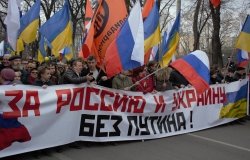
14,57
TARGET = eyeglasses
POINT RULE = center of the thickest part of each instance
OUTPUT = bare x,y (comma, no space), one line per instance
34,72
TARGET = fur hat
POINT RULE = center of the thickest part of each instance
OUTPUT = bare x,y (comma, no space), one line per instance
8,74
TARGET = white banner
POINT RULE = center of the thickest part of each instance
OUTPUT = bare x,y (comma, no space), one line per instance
33,118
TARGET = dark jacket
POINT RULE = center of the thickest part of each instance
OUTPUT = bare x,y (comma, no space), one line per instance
177,79
99,81
70,77
239,76
229,79
217,79
39,82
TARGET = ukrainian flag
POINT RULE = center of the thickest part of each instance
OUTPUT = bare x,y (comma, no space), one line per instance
244,37
42,51
170,44
40,57
28,26
57,31
67,52
152,35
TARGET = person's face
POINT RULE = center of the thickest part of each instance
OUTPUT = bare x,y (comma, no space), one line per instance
33,73
6,61
125,73
52,69
46,75
30,66
152,68
16,64
142,74
18,75
60,69
34,64
78,67
92,64
214,75
25,64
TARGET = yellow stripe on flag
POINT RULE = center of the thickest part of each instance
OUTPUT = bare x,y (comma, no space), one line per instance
243,41
62,40
29,34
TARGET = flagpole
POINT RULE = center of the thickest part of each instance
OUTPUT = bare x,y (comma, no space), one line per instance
233,51
248,114
178,7
136,83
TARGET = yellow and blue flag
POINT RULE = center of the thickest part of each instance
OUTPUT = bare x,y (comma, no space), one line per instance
67,52
29,24
170,43
244,37
152,35
57,32
40,57
42,50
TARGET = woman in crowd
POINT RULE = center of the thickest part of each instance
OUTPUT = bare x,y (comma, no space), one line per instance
32,76
7,76
44,76
17,79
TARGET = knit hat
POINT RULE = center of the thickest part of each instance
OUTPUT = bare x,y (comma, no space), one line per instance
8,74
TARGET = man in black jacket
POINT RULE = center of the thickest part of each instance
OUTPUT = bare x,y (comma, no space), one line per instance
100,77
73,74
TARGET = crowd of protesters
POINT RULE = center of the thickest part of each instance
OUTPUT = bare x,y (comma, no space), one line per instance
147,79
230,73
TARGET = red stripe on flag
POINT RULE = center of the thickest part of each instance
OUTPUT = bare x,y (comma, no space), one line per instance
10,135
112,60
191,75
215,3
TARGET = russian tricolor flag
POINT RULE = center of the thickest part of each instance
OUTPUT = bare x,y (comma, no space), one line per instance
195,68
127,50
242,58
11,131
